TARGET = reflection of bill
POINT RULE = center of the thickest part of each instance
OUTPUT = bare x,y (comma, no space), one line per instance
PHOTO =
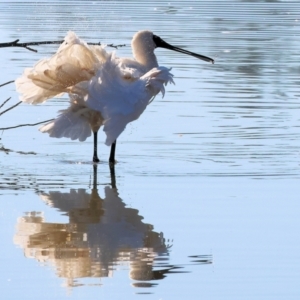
101,234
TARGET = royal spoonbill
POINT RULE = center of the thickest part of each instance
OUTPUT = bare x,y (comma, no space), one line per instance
103,89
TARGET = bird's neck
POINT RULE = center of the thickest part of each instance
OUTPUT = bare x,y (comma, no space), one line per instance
146,59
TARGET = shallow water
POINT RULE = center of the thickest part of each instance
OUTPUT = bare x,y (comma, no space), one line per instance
204,202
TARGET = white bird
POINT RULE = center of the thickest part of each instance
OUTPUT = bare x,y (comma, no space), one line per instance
103,88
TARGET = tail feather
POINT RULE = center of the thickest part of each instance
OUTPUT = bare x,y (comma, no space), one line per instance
68,124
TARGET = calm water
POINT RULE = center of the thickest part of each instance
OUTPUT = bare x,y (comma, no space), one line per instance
204,202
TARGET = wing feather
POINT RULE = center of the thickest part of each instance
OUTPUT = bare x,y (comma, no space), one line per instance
74,61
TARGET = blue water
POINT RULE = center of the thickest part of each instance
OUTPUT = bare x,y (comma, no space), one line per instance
204,202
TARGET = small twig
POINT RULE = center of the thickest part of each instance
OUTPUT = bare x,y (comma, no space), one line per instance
22,125
9,107
6,150
4,102
3,84
26,45
17,44
115,46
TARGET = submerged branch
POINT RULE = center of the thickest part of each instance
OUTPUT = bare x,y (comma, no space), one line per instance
3,84
1,113
26,45
5,102
22,125
8,82
7,151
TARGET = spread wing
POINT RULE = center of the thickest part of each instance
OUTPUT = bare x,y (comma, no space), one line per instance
73,62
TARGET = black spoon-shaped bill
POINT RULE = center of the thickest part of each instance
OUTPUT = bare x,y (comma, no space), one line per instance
159,42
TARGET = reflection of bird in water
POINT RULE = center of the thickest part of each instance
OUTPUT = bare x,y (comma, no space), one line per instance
103,89
101,234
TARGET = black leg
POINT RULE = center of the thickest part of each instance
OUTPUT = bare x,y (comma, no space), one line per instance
95,156
112,152
112,176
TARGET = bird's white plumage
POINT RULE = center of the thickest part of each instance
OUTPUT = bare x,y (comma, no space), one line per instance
103,88
127,98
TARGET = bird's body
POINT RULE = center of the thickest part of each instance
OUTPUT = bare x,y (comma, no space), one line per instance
104,90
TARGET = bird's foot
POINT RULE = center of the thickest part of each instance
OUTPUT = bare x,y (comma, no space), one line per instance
112,163
96,159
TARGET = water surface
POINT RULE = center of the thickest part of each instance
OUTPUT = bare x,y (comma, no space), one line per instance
204,202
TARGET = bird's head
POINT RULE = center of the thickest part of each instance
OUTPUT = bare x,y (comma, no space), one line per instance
143,41
146,41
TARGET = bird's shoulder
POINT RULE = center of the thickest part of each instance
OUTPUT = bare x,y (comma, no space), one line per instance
132,67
